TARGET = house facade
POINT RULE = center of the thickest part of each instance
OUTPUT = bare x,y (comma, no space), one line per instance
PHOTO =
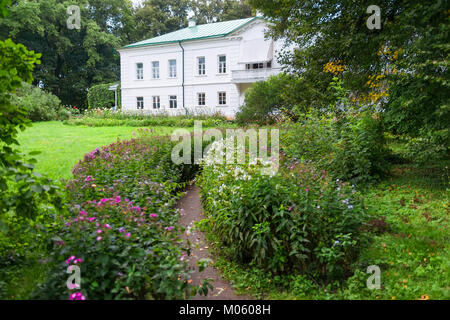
199,69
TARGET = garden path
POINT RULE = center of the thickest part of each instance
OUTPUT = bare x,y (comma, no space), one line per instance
192,206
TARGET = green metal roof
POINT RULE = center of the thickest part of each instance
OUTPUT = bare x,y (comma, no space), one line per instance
202,31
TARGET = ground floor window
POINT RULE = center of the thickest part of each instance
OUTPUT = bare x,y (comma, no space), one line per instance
201,99
222,98
172,102
156,102
140,102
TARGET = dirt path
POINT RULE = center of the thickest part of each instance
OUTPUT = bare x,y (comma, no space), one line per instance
192,207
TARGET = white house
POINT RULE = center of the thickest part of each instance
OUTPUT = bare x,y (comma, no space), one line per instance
199,69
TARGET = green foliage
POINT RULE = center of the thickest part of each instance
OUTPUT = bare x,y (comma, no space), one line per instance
351,148
39,105
279,96
72,60
296,220
123,226
107,118
99,96
22,190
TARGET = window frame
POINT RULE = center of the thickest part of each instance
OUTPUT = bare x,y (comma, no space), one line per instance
199,100
156,104
224,98
158,69
140,102
199,68
222,65
139,71
173,100
170,69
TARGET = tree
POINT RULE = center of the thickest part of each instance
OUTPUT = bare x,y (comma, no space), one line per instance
72,60
206,11
410,52
157,17
21,190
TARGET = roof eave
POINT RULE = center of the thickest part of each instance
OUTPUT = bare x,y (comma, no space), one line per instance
131,46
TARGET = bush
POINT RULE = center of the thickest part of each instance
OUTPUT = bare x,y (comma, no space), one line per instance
99,96
105,118
350,148
268,101
122,227
295,220
39,104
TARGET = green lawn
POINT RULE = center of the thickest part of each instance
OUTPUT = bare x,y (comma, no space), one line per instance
63,146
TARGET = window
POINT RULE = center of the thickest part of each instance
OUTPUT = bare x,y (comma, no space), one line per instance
201,99
269,64
222,64
201,66
140,71
140,103
155,69
222,98
172,68
156,102
172,102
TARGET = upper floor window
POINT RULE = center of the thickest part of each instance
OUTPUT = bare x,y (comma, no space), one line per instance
140,102
222,98
260,65
172,102
201,64
156,102
201,99
155,69
172,68
222,64
139,71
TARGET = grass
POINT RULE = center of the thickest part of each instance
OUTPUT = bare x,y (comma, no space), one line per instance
62,146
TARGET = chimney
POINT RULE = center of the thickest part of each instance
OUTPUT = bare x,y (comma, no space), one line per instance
192,22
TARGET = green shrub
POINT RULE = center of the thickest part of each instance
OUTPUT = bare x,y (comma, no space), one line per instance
39,104
297,220
99,96
105,118
351,148
270,100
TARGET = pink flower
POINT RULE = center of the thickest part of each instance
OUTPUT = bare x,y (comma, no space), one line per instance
107,226
91,219
77,296
168,228
78,261
99,231
83,213
70,259
153,215
99,238
118,199
128,235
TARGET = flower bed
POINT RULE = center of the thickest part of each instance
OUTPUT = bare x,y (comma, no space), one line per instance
122,229
297,220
